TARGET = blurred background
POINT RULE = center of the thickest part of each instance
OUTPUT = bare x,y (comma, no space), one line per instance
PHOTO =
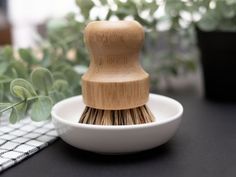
189,44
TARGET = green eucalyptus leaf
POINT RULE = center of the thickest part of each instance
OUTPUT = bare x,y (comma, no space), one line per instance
104,2
1,93
72,76
46,60
61,85
41,108
21,92
21,110
14,73
56,96
42,78
6,94
22,88
60,66
4,105
85,7
4,79
55,24
17,69
13,116
109,14
26,55
8,52
18,112
58,76
3,67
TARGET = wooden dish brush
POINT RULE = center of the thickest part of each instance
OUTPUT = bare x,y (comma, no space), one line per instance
115,88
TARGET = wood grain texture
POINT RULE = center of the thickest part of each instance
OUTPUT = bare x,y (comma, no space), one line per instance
115,80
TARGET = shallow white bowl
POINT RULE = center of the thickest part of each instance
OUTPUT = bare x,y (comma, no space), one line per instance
117,139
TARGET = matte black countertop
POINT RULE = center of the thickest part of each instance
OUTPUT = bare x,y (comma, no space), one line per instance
204,146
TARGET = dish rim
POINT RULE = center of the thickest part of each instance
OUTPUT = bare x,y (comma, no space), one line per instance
56,117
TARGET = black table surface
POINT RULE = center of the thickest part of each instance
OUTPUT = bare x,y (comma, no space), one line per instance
204,146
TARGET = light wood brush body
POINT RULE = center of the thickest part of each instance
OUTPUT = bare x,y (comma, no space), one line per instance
115,88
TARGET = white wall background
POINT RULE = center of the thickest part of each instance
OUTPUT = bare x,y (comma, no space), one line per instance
24,15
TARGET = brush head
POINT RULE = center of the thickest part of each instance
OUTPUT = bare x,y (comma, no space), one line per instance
115,88
139,115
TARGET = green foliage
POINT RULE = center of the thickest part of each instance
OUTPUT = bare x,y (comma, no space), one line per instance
220,15
65,37
39,76
27,56
4,105
18,112
208,15
13,116
22,89
28,88
85,7
41,108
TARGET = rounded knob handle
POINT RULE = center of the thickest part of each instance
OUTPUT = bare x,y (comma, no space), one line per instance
114,38
115,80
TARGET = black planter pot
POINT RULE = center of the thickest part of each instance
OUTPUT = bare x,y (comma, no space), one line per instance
218,58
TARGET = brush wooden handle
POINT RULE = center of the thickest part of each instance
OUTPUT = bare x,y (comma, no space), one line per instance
115,80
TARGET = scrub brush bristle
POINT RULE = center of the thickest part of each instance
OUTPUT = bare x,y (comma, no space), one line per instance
139,115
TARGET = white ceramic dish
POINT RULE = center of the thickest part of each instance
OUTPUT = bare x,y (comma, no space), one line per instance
117,139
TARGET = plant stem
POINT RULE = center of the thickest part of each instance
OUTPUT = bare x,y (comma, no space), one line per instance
15,104
9,107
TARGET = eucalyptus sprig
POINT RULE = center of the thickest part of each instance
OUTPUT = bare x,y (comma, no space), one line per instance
36,96
28,88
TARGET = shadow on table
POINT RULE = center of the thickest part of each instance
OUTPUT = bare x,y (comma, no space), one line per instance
159,153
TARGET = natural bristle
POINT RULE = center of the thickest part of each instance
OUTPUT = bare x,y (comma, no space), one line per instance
139,115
